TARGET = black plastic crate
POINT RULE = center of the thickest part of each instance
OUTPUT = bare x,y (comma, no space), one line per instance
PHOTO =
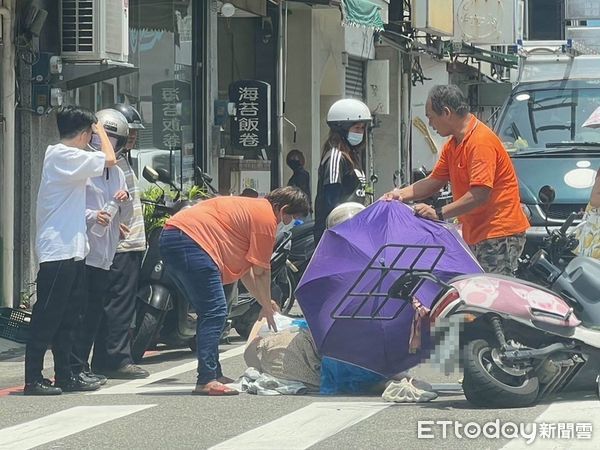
14,324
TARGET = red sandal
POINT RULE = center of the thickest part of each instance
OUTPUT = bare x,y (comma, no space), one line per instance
216,390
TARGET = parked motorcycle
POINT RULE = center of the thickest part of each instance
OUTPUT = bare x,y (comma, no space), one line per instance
439,199
301,250
519,341
557,245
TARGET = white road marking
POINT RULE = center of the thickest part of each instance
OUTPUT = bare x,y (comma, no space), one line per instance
304,427
569,416
143,385
62,424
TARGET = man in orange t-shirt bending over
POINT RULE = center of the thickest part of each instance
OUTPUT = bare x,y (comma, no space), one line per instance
484,185
216,242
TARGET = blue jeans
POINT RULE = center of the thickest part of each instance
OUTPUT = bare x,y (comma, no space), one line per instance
198,278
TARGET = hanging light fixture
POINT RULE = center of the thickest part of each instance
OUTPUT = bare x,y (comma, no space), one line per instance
226,9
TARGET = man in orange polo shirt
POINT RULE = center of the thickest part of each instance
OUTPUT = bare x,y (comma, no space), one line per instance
216,242
484,185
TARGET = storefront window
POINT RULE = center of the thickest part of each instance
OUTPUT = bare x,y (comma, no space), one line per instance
160,45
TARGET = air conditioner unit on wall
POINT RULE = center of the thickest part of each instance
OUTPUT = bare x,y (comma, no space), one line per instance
94,30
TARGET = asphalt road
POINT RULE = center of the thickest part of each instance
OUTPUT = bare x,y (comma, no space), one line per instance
160,413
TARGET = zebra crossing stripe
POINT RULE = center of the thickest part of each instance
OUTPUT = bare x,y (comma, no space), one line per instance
305,427
62,424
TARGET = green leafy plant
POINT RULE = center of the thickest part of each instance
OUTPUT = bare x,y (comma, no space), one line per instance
26,294
153,220
197,192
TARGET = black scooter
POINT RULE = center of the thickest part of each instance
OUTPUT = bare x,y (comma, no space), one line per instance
556,249
301,251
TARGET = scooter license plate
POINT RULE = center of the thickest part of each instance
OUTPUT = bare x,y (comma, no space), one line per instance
446,338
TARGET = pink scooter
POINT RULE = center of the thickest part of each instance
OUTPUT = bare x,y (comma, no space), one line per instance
517,342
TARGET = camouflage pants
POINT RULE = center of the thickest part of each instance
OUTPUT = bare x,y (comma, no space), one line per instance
500,255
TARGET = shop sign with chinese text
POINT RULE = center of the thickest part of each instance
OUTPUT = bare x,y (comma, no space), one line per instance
251,118
168,98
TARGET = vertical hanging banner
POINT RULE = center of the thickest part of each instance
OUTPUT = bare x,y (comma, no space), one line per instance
169,100
251,115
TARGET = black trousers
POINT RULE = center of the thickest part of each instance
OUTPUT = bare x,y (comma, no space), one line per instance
60,290
90,315
112,348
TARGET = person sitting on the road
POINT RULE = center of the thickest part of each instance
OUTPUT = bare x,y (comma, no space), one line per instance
291,355
61,246
219,241
287,354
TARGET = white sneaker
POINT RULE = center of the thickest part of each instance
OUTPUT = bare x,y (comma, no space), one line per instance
405,391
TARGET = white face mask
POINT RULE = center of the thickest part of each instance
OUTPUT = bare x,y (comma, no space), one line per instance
355,138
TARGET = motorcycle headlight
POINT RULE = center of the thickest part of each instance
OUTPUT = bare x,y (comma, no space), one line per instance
526,211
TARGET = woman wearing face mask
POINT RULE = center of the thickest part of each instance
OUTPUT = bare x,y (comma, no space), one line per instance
216,242
341,172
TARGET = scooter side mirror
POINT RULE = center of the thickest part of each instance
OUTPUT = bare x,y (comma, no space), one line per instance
164,176
547,195
249,192
150,174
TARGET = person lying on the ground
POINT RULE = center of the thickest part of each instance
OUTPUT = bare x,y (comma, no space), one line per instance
287,354
291,354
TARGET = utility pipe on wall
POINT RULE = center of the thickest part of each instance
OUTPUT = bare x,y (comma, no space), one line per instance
280,104
405,117
7,218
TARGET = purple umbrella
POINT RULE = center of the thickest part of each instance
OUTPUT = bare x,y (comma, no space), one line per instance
343,292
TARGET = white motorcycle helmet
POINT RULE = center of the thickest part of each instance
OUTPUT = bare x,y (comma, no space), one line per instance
343,212
346,112
116,126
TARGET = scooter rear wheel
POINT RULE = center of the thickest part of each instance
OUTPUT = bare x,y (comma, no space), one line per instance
287,283
487,384
149,323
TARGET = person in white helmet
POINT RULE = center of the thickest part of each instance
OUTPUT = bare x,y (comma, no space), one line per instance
341,172
112,347
103,232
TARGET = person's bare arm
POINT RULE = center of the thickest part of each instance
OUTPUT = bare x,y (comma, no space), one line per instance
595,197
475,197
258,282
417,191
105,145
